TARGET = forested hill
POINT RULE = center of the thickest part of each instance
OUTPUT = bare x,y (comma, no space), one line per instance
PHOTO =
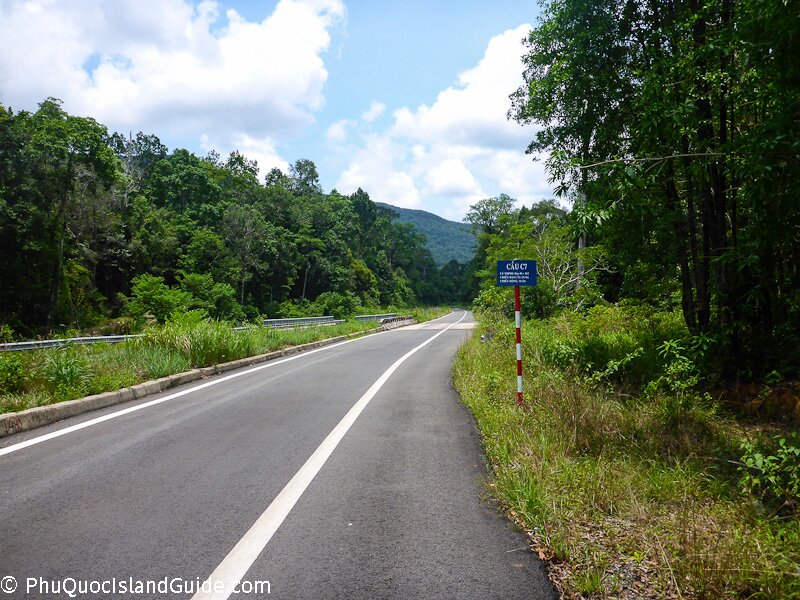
96,226
447,240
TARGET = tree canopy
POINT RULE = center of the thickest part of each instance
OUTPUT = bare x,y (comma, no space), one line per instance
675,128
95,225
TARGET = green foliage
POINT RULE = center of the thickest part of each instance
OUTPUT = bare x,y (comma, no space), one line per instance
694,205
218,300
681,376
24,401
446,240
84,303
6,334
202,341
98,226
11,373
151,297
600,470
771,472
154,362
189,339
365,284
66,373
618,343
206,252
567,275
340,306
56,206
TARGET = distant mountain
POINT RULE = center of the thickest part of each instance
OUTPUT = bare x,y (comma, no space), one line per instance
447,240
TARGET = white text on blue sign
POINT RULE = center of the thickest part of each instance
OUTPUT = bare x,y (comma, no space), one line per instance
516,272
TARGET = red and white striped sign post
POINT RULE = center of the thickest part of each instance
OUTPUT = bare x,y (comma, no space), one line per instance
518,323
517,273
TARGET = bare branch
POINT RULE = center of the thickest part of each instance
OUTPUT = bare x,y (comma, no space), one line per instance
649,159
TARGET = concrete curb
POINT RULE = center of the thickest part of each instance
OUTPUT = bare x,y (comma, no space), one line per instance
40,416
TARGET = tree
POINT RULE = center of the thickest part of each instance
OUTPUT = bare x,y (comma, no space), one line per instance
567,274
207,252
184,183
75,167
304,178
218,300
672,121
86,218
491,215
311,248
139,157
252,242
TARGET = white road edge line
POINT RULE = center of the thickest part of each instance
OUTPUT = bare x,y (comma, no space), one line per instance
226,577
125,411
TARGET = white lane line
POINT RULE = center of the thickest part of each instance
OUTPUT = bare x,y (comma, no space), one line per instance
226,577
125,411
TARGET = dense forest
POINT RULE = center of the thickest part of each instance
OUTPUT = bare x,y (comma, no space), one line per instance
673,130
96,225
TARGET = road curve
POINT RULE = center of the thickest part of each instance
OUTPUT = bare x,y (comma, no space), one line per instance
149,504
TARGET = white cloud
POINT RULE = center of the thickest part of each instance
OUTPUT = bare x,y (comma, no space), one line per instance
451,178
458,150
337,132
375,169
169,66
474,112
375,110
262,150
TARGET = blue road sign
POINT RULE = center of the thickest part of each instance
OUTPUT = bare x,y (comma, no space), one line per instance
515,272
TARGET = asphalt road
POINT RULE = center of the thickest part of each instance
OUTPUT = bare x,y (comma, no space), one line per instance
323,475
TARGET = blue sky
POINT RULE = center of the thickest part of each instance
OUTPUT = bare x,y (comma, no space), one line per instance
404,99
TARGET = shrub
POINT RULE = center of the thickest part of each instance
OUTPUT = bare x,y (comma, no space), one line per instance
340,306
771,472
621,342
289,310
12,373
217,299
151,296
7,333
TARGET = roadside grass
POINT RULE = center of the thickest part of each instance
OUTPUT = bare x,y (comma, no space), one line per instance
627,487
426,313
41,377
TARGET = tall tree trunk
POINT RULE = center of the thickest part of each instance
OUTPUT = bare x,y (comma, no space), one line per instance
688,305
305,280
61,229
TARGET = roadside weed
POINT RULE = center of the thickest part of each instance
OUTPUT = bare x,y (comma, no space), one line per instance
623,469
40,377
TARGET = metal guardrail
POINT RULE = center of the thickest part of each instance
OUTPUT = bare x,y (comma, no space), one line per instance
115,339
298,321
375,317
78,341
